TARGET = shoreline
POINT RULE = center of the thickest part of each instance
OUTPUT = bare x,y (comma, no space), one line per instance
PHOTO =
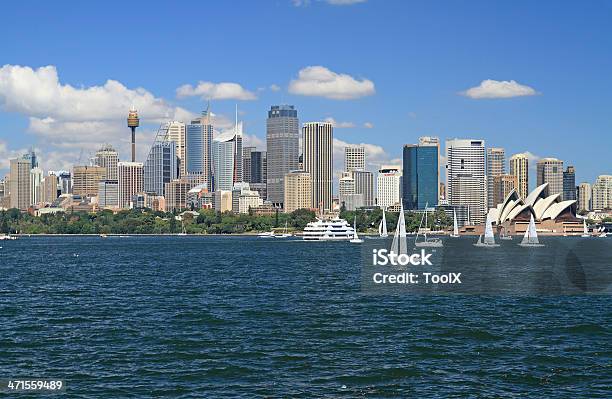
249,234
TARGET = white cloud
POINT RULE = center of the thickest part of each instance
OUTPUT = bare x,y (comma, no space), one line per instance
339,125
275,87
215,91
322,82
499,89
368,125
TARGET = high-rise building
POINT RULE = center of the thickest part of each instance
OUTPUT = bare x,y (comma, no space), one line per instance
550,170
519,167
569,183
222,201
388,185
133,122
176,194
20,183
49,192
347,195
282,142
298,191
465,174
364,185
227,158
130,179
246,163
584,197
64,181
420,176
36,179
161,165
198,147
85,180
496,166
108,158
258,169
176,133
354,158
502,186
108,194
602,192
318,161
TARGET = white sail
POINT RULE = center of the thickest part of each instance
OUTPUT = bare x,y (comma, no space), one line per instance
382,227
489,238
531,235
355,236
455,225
584,228
399,245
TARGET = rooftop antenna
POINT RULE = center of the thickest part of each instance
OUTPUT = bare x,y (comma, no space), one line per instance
236,125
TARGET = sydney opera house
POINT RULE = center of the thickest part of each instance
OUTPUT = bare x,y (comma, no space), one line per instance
551,213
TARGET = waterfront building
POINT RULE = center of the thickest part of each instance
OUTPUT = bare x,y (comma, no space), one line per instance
550,170
502,186
227,158
36,179
519,167
222,201
282,145
199,197
20,183
602,193
85,180
107,157
388,185
108,194
569,183
465,174
198,147
496,166
176,194
318,161
420,175
155,202
161,165
364,185
244,199
297,191
176,134
347,193
130,179
354,158
584,197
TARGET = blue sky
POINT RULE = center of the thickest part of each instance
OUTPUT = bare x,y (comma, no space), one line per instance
419,57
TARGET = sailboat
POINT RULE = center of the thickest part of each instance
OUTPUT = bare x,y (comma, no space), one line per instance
427,242
585,230
455,225
382,227
489,238
399,245
284,234
530,239
355,239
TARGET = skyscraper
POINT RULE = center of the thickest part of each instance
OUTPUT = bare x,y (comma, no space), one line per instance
19,183
36,180
318,161
130,179
388,186
107,158
298,191
584,197
550,170
602,192
85,180
347,195
198,147
502,186
364,185
227,158
354,158
519,167
246,163
420,176
49,188
176,133
108,194
282,141
496,166
161,166
465,176
569,183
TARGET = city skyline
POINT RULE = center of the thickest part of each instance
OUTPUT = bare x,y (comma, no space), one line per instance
381,105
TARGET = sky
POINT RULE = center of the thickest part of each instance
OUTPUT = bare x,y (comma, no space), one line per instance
526,76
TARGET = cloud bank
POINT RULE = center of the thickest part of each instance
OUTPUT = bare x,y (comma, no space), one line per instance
321,82
499,89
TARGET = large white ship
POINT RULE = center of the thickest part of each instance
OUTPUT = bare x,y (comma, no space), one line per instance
334,229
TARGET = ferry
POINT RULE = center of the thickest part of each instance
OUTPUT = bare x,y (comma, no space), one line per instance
333,229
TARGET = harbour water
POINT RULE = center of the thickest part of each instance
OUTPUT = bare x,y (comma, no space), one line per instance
194,317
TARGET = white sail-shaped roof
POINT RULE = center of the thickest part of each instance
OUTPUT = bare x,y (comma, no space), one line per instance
535,194
555,209
543,204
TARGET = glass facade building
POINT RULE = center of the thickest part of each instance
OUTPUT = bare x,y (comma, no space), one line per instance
420,176
161,167
282,142
198,147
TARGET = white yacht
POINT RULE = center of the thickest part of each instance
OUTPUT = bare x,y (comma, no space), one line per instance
530,239
334,229
7,237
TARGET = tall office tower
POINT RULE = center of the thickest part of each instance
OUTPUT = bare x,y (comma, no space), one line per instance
176,194
257,167
31,156
465,174
318,161
176,133
420,176
496,166
502,186
354,158
130,179
388,186
283,142
64,182
584,197
569,183
602,192
20,183
519,167
108,194
36,179
432,141
298,191
550,170
227,158
364,185
347,195
161,165
85,180
198,147
49,189
133,122
246,163
107,158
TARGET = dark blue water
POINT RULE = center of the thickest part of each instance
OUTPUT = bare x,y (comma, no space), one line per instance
246,317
